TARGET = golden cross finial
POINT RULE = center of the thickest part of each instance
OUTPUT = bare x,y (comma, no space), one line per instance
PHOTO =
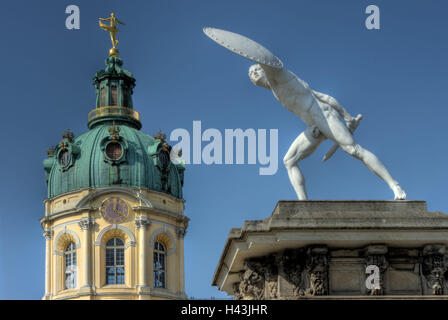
112,28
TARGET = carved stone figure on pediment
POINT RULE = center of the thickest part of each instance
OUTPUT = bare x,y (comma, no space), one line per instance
252,283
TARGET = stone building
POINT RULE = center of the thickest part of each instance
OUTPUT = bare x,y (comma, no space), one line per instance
114,218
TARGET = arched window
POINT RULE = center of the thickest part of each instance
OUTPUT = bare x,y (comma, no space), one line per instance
70,266
159,266
115,261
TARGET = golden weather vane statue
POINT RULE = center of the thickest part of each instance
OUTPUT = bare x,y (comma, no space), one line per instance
112,28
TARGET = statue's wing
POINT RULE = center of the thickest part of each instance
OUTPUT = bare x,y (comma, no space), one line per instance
244,47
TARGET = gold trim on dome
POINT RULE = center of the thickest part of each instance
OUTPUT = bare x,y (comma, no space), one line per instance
113,111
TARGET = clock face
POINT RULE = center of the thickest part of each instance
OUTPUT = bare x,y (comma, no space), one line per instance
114,210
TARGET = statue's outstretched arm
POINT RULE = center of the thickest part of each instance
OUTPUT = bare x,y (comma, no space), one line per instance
325,98
102,19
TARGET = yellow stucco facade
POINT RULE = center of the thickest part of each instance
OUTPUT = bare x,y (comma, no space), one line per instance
75,217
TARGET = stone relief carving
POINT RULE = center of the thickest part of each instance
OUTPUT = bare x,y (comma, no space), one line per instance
307,273
292,263
236,290
271,277
251,286
259,280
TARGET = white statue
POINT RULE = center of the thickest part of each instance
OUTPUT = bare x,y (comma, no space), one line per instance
323,114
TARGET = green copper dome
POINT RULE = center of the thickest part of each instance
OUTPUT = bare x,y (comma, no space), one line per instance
114,152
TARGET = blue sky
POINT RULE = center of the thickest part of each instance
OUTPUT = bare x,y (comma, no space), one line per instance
396,77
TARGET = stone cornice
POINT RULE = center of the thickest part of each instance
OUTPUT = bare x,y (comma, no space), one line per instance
158,212
64,213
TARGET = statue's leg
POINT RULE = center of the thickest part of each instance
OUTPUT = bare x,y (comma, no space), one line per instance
303,146
330,124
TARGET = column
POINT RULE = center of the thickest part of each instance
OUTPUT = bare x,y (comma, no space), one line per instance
141,222
48,234
86,225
